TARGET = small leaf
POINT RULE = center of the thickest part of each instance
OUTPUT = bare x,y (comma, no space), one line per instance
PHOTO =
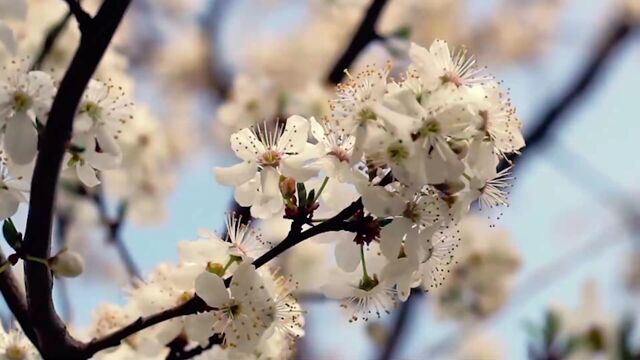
311,197
11,234
302,195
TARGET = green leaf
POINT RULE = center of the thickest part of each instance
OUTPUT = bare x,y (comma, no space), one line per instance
11,234
311,197
302,195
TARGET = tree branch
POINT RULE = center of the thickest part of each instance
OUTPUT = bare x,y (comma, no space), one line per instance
82,17
16,300
196,305
50,40
364,35
193,306
552,116
399,327
54,340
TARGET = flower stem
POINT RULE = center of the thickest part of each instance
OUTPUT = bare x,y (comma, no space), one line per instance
365,275
322,186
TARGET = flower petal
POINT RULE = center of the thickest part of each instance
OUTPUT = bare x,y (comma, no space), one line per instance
295,135
347,255
87,175
236,174
8,204
211,289
21,138
246,145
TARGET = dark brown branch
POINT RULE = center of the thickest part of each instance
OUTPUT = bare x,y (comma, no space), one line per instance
16,300
399,326
193,306
365,34
182,354
55,342
82,17
114,227
196,305
552,116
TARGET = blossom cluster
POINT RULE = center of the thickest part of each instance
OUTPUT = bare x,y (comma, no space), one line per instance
256,314
418,150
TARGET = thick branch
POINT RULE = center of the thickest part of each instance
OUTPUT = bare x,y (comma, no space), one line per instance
55,341
364,35
16,300
552,116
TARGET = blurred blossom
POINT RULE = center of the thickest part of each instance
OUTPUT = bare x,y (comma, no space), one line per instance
481,281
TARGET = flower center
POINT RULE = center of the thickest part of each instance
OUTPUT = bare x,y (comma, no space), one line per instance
367,283
397,152
340,154
93,110
15,352
430,127
452,77
365,115
270,158
21,101
411,212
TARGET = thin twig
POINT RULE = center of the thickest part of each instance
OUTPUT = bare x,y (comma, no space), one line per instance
50,40
82,17
365,34
552,116
399,327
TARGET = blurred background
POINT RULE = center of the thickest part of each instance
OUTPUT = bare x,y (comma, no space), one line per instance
203,69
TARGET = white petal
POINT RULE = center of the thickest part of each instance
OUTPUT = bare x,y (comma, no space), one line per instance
391,237
267,206
102,161
87,175
8,204
381,202
347,255
294,166
247,193
246,145
106,142
236,174
21,138
294,136
318,131
211,289
270,180
7,38
200,327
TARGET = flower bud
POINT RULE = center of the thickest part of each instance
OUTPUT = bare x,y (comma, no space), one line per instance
288,187
67,263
